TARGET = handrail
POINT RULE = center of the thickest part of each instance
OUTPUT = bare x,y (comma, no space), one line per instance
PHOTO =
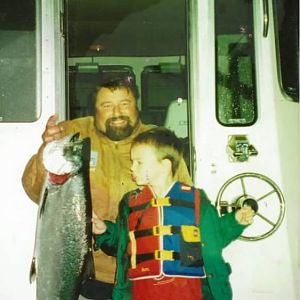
265,18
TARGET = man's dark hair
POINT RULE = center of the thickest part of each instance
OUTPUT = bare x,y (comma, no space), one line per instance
126,81
113,83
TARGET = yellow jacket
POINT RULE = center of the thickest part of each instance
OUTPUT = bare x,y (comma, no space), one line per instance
110,178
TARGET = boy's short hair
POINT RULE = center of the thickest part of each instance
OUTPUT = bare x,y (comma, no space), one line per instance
165,142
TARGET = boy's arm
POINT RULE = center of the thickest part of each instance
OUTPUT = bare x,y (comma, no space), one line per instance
227,227
108,240
231,229
234,223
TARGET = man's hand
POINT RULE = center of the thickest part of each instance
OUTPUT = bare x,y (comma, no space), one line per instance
52,131
99,226
245,215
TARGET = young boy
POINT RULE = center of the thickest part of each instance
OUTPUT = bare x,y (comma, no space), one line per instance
168,238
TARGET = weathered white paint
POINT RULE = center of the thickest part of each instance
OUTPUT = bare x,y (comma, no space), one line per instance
18,141
262,270
266,269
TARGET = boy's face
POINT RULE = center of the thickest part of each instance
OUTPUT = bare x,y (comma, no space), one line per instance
146,169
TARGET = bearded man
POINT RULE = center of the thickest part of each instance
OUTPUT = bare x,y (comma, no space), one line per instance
111,130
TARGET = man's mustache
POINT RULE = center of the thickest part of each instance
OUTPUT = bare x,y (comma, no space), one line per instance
123,118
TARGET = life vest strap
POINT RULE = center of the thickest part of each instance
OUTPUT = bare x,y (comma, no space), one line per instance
158,230
190,260
133,249
154,202
168,255
158,255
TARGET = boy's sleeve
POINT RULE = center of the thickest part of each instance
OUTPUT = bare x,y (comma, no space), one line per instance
227,228
109,240
230,228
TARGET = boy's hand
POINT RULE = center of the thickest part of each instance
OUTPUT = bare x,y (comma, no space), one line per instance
98,225
245,215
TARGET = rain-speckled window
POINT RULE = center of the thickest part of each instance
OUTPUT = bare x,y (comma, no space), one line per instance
286,13
144,42
18,101
236,103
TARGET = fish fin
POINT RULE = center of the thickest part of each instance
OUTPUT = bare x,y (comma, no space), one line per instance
43,203
89,267
32,274
86,152
75,137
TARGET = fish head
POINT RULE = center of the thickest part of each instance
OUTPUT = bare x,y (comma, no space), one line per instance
64,156
73,151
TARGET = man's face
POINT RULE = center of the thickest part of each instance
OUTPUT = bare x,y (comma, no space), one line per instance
116,113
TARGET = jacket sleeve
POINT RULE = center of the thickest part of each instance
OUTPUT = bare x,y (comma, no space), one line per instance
34,173
109,240
34,176
226,228
230,228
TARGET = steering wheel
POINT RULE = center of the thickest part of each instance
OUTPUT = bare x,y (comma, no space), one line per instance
266,199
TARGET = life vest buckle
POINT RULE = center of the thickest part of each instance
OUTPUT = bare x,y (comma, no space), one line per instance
190,233
155,202
163,255
162,230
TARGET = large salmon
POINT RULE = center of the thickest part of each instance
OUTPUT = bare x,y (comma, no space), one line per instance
63,246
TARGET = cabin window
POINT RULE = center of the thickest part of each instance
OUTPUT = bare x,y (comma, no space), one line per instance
18,61
286,14
236,103
145,41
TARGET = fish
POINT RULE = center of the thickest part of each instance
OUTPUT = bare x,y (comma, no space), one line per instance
62,258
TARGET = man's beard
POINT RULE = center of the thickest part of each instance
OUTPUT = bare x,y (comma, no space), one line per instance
116,133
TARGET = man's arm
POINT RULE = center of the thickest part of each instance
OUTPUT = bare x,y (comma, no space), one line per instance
34,174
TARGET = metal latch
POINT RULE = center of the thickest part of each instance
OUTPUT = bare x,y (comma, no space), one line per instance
239,149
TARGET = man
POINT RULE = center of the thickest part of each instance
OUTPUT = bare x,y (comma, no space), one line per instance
111,130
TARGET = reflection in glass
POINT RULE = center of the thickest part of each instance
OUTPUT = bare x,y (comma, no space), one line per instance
145,40
235,74
287,32
18,61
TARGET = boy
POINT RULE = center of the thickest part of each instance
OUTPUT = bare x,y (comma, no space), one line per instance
168,238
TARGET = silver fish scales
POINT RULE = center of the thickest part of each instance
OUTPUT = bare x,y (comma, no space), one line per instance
62,257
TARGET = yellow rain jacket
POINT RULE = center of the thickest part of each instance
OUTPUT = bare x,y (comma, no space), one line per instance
110,179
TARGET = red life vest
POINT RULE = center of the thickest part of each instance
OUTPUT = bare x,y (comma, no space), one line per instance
164,234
